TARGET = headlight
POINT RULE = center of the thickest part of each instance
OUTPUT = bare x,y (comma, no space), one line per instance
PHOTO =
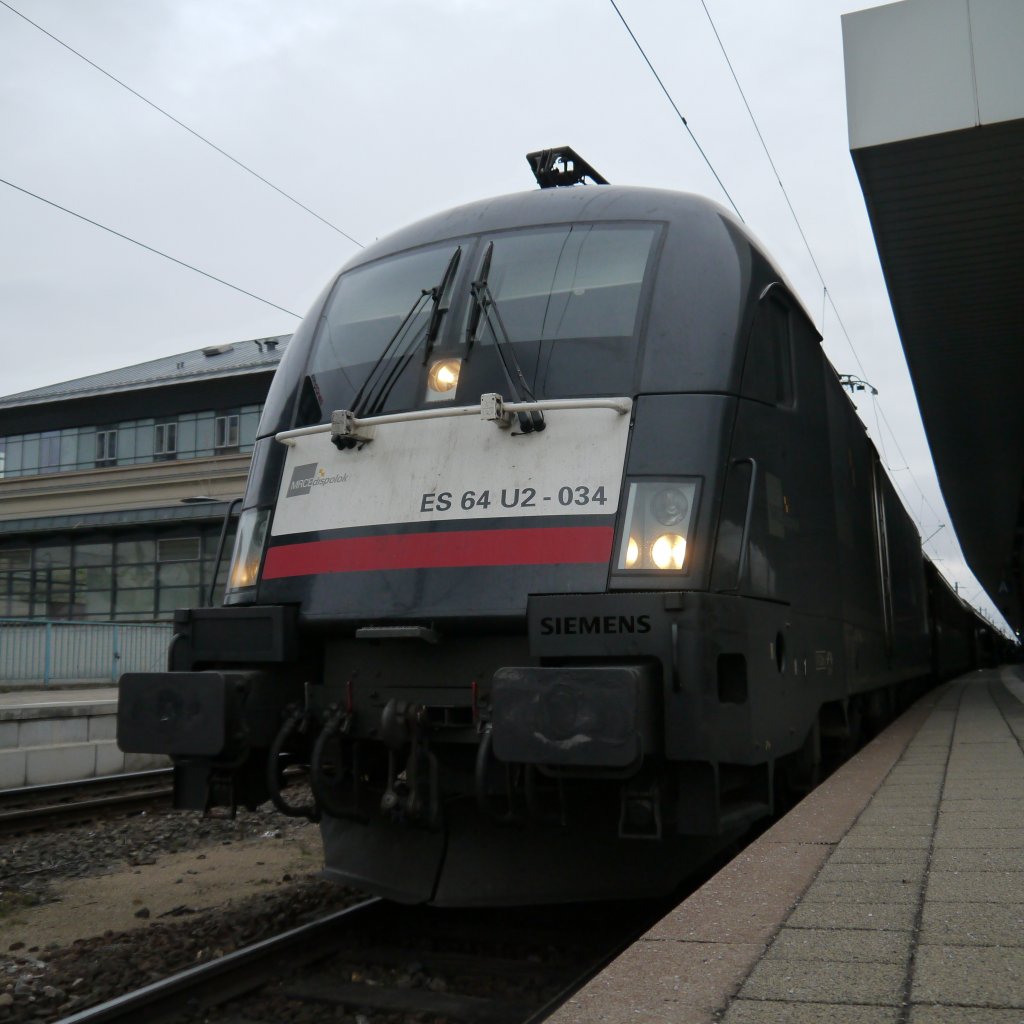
669,551
443,379
632,552
249,541
651,506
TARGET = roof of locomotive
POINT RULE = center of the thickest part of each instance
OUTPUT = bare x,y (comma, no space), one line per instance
559,206
710,272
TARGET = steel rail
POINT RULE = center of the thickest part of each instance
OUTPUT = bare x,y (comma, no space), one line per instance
77,785
132,789
283,962
228,976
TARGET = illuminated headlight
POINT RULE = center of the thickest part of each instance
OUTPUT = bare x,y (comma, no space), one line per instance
632,552
249,542
651,506
669,551
443,379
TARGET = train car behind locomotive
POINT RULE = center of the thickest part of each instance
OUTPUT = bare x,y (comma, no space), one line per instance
562,550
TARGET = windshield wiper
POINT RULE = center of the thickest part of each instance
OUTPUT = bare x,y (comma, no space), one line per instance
473,323
484,305
436,294
365,395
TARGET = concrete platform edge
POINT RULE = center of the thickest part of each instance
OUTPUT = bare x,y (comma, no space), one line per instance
689,966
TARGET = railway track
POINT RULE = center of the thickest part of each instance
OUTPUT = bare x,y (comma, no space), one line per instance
379,961
31,808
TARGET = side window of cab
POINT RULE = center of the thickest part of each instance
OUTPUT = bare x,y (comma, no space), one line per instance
768,368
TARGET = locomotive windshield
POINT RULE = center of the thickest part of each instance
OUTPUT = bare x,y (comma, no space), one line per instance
567,296
581,281
369,304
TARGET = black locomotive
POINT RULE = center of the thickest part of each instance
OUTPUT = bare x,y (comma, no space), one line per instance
562,554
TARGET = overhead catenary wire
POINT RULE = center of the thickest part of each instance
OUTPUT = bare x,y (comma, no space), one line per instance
927,541
764,145
826,293
181,124
906,461
828,300
881,439
679,113
148,248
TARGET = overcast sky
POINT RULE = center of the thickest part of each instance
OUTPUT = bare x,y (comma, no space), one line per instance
376,113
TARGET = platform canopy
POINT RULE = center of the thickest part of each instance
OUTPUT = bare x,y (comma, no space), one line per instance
935,102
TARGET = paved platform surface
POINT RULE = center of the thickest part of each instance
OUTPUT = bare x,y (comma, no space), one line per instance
894,894
63,687
35,703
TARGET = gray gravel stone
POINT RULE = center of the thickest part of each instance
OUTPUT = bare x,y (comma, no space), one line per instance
60,981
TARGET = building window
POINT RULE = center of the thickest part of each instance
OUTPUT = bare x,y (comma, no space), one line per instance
15,581
135,577
226,432
106,447
177,549
94,579
165,442
187,436
179,573
16,558
49,450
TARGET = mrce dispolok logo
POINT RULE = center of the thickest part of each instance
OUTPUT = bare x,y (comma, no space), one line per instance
305,478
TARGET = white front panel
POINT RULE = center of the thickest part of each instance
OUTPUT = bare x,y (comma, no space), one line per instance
457,468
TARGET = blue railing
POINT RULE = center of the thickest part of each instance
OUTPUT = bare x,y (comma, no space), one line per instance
47,651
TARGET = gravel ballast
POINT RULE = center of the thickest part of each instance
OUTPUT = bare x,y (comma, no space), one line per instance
90,912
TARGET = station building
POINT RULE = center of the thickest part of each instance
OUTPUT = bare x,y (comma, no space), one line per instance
114,487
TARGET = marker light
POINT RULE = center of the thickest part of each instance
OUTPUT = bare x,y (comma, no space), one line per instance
444,375
249,542
669,551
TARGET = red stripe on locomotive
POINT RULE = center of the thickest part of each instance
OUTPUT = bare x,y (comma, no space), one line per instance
565,545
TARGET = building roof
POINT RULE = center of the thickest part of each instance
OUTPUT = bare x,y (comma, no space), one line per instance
935,93
213,361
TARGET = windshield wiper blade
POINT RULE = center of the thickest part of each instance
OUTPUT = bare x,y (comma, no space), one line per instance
484,306
436,296
473,323
503,343
369,384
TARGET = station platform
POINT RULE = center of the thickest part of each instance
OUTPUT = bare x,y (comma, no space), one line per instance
49,735
893,894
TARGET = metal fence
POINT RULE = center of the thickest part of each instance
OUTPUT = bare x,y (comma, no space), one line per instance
46,651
